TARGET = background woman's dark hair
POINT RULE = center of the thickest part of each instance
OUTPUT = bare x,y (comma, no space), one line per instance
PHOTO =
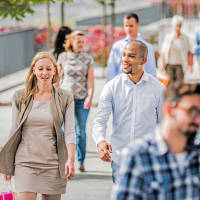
60,40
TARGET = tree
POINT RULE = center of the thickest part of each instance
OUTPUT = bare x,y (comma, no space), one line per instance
104,23
62,10
180,7
112,4
104,4
16,9
47,2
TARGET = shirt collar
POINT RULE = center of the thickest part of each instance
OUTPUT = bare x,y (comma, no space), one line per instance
161,145
144,78
71,54
127,39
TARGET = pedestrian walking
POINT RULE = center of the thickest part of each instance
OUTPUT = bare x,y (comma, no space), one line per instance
77,77
60,41
197,44
176,52
38,155
166,167
131,26
134,98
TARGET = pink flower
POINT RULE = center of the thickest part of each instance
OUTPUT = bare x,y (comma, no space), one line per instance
98,44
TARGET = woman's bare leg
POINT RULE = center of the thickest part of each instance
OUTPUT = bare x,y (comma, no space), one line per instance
51,197
25,196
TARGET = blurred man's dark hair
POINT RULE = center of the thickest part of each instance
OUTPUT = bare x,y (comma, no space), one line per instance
132,15
60,40
176,90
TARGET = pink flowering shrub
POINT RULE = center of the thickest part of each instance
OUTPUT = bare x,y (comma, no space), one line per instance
42,37
96,41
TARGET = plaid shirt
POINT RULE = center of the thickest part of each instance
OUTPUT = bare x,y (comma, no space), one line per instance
149,171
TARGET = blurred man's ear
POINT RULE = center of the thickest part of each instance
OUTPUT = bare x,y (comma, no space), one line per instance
144,60
168,109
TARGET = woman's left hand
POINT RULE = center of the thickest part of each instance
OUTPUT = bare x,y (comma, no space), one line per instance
87,103
69,169
7,177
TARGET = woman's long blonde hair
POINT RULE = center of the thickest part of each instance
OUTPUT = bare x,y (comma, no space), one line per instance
31,81
69,38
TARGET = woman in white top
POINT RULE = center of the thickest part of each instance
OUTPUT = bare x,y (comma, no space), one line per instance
176,52
77,77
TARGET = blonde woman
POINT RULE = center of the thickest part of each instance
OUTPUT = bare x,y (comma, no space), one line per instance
39,156
77,77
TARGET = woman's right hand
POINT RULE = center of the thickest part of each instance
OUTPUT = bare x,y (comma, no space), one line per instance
7,177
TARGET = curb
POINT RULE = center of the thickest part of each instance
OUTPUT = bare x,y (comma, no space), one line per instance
12,86
95,104
5,104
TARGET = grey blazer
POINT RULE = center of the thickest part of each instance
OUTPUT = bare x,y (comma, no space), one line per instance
61,99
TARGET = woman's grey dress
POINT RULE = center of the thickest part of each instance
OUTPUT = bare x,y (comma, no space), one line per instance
36,161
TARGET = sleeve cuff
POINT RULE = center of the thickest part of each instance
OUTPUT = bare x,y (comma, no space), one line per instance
99,140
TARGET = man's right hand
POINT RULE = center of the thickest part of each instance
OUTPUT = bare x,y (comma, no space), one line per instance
104,150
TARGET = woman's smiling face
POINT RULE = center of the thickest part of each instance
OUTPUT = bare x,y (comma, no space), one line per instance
44,71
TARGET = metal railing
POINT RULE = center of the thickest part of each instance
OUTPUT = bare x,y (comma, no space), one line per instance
16,50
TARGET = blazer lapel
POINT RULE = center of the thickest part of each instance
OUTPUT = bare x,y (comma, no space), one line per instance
55,107
25,110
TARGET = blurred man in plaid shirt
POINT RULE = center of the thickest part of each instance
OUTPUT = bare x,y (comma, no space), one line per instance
168,167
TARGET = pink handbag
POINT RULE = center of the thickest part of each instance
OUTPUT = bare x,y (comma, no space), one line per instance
6,188
7,196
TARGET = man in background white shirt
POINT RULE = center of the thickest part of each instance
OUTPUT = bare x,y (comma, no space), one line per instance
131,26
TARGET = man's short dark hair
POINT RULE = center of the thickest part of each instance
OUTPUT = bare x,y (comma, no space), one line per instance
132,15
176,90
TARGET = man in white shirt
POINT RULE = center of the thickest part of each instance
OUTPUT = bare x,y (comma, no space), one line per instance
134,98
131,26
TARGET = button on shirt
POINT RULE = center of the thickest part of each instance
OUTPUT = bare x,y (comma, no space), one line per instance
115,58
136,109
149,171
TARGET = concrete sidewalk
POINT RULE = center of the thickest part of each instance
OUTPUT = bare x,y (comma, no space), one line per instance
12,80
95,183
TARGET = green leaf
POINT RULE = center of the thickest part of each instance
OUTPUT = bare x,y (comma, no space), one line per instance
17,9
